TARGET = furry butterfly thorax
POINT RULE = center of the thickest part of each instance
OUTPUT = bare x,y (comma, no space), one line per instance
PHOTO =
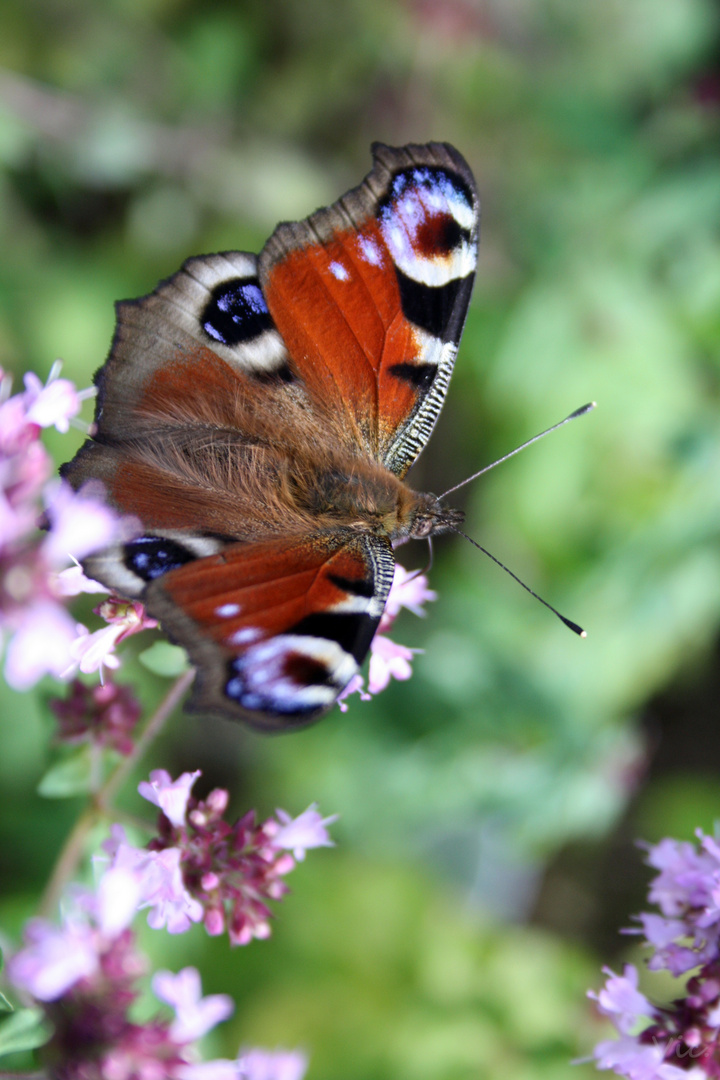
259,415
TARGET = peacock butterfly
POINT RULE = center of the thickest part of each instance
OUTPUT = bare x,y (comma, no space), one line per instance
259,415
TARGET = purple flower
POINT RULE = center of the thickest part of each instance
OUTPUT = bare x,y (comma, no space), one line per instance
56,958
621,1000
629,1057
53,959
679,1040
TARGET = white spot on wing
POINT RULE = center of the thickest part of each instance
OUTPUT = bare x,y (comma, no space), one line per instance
226,611
245,635
338,271
369,250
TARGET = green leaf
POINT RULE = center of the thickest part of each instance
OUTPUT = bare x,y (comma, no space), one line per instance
164,659
71,776
5,1005
24,1030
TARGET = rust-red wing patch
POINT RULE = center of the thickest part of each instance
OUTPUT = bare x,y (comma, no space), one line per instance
338,308
266,587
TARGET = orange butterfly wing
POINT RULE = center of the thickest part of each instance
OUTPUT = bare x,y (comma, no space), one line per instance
370,295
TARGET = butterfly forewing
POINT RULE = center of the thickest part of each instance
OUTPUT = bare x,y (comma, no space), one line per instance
370,295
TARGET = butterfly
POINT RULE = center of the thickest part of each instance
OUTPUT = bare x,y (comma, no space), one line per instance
258,414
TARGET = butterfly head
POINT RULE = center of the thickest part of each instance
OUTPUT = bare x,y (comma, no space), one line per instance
431,517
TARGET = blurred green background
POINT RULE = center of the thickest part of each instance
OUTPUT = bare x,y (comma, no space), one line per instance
488,807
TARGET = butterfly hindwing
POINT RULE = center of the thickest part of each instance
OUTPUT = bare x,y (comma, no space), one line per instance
276,628
370,295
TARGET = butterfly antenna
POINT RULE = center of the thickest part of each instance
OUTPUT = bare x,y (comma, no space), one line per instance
568,622
573,416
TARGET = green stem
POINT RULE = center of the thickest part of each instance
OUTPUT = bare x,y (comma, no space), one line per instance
99,807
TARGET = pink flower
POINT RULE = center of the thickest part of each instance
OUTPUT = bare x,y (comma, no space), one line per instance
93,651
43,638
53,404
272,1065
32,614
162,888
72,582
388,660
201,867
221,1069
53,959
79,524
409,589
84,975
194,1014
303,832
170,795
104,715
355,686
56,958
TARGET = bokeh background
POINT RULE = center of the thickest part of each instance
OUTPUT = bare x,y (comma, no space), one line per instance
485,855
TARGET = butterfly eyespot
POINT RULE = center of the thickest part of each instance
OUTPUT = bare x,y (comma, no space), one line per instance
151,556
236,312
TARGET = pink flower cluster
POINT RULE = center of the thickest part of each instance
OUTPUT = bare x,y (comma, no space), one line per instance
202,869
105,714
388,659
42,637
680,1040
84,975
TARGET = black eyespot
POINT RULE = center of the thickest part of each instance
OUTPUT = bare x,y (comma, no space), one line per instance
152,556
236,312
